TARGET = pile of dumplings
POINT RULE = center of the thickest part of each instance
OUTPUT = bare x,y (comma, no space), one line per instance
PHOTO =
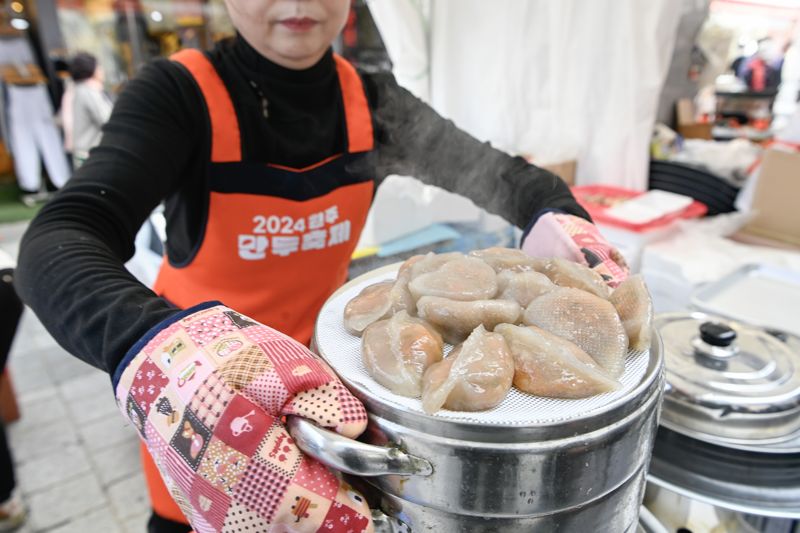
549,327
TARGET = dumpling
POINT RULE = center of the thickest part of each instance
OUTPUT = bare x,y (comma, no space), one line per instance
501,259
422,264
635,308
460,279
401,297
456,320
522,287
476,376
380,300
397,352
585,319
547,365
570,274
372,304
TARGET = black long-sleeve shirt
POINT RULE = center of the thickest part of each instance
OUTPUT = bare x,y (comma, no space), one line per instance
156,147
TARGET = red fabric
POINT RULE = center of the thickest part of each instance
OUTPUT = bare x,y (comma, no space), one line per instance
225,137
596,199
273,259
284,292
357,114
291,287
759,70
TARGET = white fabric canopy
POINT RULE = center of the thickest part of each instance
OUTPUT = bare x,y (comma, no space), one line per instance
572,79
404,29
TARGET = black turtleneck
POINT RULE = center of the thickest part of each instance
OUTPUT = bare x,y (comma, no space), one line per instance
303,106
155,148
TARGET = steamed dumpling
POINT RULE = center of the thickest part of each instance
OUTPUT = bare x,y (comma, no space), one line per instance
476,376
397,352
569,274
380,300
422,264
460,279
456,320
501,259
547,365
522,287
372,304
585,319
401,297
635,308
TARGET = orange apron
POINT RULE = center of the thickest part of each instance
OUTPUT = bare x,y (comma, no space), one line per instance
277,240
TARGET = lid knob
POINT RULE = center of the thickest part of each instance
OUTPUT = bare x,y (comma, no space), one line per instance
717,334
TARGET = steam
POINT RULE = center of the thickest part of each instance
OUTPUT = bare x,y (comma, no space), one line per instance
413,140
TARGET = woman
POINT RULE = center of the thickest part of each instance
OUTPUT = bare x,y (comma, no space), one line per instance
89,107
267,151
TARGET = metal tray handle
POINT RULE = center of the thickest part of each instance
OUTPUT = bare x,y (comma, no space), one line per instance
353,457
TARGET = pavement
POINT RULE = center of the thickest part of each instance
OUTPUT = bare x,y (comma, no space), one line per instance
77,461
77,458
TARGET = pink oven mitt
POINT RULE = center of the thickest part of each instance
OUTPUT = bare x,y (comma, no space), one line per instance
207,391
576,239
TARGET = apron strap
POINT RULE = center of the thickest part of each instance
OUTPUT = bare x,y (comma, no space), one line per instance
225,137
356,110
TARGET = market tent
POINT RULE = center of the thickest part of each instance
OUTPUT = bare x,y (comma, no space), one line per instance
552,80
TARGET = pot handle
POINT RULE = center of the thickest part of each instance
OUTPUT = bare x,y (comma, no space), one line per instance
384,523
353,457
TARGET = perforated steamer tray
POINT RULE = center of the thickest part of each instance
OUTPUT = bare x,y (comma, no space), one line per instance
342,351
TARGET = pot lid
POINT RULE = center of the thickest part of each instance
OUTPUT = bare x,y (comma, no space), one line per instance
729,380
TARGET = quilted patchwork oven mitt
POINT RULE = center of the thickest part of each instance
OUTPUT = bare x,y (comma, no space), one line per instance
576,239
207,391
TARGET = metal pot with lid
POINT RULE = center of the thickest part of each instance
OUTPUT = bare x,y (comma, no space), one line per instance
730,425
731,384
530,464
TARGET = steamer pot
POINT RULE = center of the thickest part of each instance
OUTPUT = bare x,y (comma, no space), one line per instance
730,435
527,465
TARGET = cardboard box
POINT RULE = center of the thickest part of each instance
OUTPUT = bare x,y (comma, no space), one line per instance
684,111
687,126
564,170
776,213
698,130
755,240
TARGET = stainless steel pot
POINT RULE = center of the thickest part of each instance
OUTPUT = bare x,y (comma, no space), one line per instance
730,434
675,511
731,384
437,473
764,484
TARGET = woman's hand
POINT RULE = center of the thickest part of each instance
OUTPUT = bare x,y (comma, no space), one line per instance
576,239
207,393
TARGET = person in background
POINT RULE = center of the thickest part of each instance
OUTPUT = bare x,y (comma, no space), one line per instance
12,510
761,72
267,151
66,116
90,107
